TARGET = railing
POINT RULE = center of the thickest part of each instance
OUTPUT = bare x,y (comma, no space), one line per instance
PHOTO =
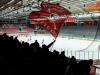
85,55
81,55
97,69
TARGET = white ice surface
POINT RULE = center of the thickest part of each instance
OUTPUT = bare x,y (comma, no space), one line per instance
89,49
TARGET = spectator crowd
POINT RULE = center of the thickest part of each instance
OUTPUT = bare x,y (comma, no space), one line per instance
22,58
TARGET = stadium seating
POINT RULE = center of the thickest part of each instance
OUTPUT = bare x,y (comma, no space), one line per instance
28,29
15,28
72,31
8,28
32,27
79,31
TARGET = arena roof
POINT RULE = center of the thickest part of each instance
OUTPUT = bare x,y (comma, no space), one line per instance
76,7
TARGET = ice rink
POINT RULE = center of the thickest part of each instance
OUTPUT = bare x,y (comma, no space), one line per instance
81,49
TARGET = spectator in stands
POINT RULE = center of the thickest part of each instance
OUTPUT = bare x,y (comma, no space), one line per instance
63,62
83,67
72,65
92,68
44,47
32,59
36,43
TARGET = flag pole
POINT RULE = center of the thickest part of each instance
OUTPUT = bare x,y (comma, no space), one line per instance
53,43
57,35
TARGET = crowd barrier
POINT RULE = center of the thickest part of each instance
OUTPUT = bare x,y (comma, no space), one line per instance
85,55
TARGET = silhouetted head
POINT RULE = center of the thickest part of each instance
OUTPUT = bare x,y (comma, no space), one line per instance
73,57
4,34
90,62
35,40
44,46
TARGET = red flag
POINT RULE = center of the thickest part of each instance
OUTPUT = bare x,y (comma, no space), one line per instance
51,17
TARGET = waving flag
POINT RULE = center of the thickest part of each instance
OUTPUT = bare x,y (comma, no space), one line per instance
51,17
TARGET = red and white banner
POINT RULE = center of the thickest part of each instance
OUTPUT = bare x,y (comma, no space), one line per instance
51,17
92,70
71,19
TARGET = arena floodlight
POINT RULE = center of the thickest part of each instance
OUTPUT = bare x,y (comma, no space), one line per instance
11,1
23,9
17,11
80,13
90,12
29,7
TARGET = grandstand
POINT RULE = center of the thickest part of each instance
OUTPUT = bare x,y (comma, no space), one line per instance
26,44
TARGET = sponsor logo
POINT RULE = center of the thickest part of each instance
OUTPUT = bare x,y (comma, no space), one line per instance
93,7
11,5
